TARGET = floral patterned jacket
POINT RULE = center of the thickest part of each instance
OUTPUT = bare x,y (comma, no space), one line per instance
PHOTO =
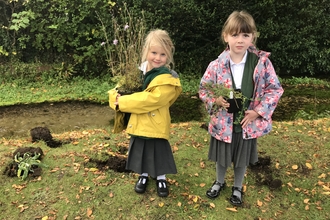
267,92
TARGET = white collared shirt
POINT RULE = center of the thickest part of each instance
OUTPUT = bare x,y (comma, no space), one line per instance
237,70
143,67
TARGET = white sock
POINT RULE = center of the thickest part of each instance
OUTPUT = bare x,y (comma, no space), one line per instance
144,180
160,184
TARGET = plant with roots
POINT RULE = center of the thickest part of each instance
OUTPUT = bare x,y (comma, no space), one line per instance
25,164
123,46
217,90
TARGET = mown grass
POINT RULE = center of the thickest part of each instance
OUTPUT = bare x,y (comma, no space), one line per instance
71,187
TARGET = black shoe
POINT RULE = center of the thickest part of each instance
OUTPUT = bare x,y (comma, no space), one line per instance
139,186
234,200
162,191
212,194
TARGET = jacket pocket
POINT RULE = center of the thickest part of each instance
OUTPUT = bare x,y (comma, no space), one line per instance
156,116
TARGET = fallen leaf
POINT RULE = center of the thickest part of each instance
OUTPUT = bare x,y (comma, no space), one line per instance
195,199
232,209
202,184
295,167
202,164
309,166
44,218
277,166
289,184
307,207
179,204
152,199
161,204
259,203
89,212
212,205
326,188
93,169
323,175
306,201
111,195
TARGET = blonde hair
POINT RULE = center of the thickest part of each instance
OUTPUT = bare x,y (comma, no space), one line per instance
159,38
240,22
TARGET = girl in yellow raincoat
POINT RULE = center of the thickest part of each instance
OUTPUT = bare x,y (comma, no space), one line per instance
150,153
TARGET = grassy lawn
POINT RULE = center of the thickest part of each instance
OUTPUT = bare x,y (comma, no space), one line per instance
73,188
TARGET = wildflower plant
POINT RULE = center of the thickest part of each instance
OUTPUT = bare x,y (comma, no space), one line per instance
123,46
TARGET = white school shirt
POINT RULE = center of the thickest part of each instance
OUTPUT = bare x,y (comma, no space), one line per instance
143,67
237,70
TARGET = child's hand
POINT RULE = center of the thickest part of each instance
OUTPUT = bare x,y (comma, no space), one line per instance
116,103
222,102
250,115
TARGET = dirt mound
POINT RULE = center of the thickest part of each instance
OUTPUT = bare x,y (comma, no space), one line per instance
264,174
44,134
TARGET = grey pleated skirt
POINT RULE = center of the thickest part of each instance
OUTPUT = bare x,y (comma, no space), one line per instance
152,156
240,152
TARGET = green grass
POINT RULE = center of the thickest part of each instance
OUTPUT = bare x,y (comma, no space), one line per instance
71,189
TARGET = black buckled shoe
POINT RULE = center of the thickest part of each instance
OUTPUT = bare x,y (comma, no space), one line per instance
212,194
139,186
162,191
234,200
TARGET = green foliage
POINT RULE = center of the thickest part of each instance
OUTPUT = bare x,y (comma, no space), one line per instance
70,31
25,164
311,81
311,115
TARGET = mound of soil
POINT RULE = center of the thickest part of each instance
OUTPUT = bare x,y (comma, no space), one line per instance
44,134
115,163
264,173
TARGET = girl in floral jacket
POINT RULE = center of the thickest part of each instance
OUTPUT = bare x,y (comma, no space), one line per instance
239,67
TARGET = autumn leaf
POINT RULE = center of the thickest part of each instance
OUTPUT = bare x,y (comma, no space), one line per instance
175,148
306,201
179,204
232,209
289,184
152,199
89,212
326,188
161,204
202,184
212,205
259,203
307,207
322,176
111,194
309,166
277,166
295,167
93,169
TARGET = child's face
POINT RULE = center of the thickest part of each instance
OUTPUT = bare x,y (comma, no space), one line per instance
156,57
238,43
